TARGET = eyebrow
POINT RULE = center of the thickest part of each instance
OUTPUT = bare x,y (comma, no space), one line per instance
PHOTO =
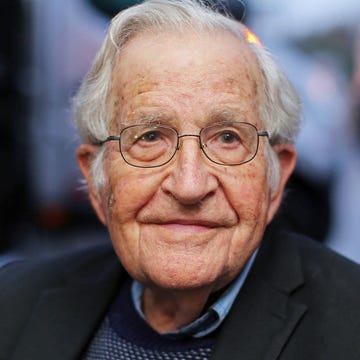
226,115
161,118
146,118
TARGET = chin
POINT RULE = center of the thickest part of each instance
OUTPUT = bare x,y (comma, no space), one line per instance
182,277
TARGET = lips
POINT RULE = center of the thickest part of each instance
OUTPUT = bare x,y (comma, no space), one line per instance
187,228
190,222
182,225
171,216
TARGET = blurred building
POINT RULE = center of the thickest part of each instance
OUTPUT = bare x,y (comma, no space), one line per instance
14,50
314,42
46,49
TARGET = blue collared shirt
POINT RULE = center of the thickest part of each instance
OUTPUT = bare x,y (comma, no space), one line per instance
214,316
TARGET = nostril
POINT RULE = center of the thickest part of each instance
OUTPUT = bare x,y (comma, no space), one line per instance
190,187
190,179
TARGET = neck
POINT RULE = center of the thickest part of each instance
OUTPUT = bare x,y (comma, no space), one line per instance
169,310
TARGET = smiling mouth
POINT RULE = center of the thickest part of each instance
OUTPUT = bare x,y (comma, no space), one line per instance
181,226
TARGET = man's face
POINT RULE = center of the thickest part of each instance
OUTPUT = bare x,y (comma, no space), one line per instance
190,223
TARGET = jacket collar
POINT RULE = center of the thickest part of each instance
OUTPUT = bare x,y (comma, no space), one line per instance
264,314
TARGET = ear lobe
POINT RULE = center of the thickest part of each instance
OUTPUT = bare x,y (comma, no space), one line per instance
287,160
85,155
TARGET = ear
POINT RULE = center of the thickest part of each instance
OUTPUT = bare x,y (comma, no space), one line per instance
287,161
85,155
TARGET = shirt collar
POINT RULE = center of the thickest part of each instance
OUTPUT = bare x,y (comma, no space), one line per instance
213,317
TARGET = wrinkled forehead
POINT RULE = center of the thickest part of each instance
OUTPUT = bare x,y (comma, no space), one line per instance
155,47
211,63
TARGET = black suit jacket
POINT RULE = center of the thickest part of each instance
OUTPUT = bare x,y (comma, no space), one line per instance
300,301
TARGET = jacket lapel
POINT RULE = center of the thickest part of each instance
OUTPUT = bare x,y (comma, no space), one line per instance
264,315
65,317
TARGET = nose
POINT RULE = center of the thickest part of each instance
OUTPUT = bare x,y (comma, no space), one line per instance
190,180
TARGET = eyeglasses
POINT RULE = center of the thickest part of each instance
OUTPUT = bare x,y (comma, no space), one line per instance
154,145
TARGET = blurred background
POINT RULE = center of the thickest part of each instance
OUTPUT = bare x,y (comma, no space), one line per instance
46,48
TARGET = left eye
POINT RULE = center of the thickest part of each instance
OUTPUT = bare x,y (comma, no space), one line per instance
228,137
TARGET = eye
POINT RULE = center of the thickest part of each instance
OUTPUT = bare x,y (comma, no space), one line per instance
150,136
228,137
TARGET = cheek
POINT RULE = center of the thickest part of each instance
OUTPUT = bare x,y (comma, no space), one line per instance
250,201
128,191
128,194
128,188
249,193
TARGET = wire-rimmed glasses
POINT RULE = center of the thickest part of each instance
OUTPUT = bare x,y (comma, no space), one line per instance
153,145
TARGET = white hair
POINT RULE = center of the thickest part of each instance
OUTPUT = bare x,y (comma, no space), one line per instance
279,111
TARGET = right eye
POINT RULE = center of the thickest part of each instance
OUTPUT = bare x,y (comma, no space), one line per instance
149,136
145,144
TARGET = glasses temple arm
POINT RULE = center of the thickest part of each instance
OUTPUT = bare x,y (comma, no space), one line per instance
109,138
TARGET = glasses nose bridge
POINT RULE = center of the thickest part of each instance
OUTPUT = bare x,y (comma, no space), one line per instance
189,135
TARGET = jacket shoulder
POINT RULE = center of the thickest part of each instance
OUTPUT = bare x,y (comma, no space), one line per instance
323,265
22,282
29,274
331,293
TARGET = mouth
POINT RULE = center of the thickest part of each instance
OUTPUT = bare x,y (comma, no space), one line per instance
189,226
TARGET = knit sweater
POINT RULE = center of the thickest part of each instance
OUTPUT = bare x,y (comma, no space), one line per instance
125,335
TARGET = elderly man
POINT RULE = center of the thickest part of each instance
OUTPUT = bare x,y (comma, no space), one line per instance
187,131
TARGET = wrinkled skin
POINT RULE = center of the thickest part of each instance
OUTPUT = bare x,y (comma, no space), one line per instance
187,228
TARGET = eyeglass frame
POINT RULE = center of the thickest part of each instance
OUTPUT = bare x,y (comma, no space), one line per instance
260,133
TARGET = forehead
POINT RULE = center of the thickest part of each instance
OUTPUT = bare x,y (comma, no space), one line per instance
176,72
